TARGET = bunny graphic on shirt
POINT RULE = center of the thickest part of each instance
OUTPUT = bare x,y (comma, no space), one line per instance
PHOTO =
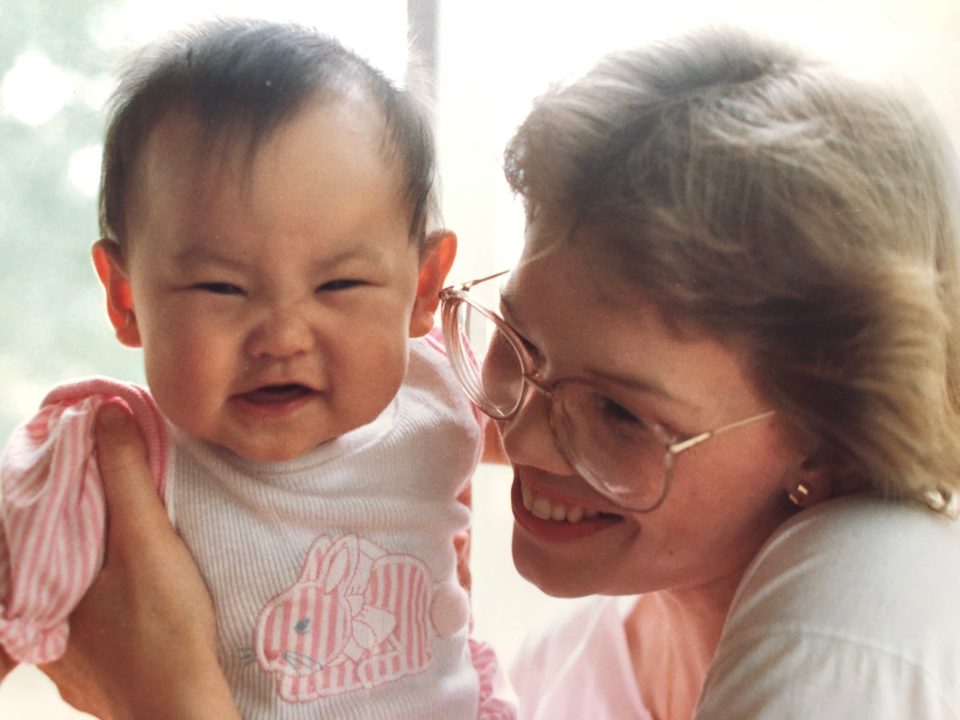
357,617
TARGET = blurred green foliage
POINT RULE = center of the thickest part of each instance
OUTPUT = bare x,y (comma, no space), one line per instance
52,322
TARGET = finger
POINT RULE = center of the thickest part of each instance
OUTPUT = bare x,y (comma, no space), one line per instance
461,546
133,505
6,663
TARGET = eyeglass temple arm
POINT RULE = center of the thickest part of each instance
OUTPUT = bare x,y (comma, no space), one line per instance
467,285
697,439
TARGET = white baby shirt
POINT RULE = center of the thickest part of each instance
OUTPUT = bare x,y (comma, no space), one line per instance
333,575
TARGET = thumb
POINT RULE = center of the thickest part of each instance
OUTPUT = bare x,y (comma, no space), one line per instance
133,505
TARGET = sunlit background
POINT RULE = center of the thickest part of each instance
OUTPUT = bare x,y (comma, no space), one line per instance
56,66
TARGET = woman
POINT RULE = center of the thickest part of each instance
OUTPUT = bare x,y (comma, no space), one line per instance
726,374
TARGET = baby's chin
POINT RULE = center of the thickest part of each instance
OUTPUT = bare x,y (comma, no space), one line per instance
260,448
274,442
271,453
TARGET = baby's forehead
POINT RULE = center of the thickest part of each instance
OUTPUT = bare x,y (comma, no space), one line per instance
321,176
243,80
184,146
213,140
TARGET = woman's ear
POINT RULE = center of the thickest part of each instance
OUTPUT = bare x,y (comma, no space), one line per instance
810,484
111,269
438,254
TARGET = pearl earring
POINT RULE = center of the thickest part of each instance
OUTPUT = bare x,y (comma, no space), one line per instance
799,496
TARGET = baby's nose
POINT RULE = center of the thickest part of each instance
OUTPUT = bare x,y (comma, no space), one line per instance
282,333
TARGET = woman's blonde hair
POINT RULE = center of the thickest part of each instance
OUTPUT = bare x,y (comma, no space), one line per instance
809,219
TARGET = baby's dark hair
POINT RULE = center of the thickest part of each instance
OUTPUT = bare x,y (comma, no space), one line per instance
248,77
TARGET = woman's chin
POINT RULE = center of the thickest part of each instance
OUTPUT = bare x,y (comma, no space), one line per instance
554,577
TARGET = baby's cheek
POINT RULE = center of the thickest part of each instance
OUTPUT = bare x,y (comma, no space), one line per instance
184,380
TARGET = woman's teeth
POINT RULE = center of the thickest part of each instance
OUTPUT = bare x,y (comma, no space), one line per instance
554,510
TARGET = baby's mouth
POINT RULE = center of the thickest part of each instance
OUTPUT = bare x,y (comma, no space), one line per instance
276,394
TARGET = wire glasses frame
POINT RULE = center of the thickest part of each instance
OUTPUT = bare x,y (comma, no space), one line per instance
582,459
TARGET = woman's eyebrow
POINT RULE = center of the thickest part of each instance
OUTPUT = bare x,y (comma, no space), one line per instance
648,386
645,385
506,306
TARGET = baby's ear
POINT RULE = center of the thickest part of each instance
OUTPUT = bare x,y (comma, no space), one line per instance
438,253
111,268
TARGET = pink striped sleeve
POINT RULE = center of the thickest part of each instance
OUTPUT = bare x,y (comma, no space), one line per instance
52,513
497,698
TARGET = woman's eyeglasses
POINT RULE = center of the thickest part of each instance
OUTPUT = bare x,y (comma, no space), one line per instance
623,456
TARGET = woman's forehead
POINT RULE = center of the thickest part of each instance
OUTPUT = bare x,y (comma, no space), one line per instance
559,301
589,261
582,321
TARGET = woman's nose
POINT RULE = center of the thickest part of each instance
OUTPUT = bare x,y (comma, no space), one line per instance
281,333
528,438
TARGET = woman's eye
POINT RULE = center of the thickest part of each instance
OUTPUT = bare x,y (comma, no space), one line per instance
339,284
528,346
614,412
531,349
219,288
609,413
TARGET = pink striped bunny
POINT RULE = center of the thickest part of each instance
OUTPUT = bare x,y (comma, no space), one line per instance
357,617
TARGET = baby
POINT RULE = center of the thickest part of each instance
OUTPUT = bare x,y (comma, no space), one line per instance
264,209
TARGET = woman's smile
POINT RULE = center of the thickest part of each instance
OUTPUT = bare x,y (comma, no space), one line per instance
555,518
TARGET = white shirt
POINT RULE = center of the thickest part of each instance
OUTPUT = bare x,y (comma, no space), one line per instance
580,667
333,575
850,610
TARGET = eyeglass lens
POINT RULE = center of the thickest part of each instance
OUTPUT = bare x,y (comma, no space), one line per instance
613,449
498,381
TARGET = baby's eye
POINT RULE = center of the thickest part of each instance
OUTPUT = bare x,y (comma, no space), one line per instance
219,288
340,284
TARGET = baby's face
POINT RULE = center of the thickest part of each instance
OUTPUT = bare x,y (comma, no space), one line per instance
273,299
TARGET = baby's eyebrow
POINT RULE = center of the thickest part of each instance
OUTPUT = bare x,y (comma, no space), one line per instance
199,255
202,255
365,253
